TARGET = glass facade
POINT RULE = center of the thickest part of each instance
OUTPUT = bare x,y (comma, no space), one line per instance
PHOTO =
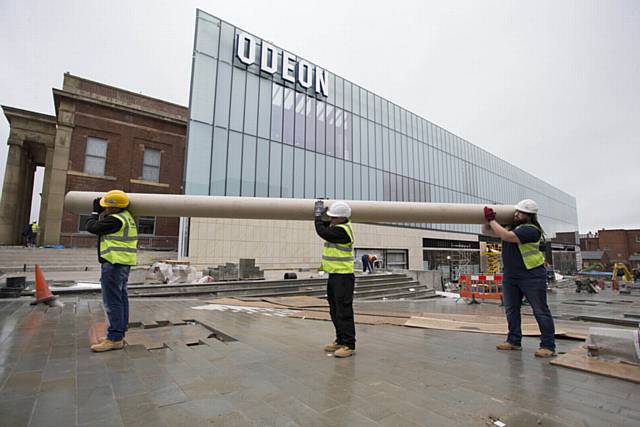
252,133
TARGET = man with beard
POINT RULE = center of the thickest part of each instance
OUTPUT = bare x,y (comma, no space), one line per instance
524,275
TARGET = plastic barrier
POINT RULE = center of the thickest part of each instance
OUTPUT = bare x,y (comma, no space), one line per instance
480,286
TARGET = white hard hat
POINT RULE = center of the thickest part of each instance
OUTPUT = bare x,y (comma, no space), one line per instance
339,209
527,206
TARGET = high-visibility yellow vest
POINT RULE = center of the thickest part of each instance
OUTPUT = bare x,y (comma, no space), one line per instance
121,247
338,257
530,252
35,228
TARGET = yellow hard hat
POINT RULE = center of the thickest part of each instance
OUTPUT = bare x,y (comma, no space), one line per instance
115,199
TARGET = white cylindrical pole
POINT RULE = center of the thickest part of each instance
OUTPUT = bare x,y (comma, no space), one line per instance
176,205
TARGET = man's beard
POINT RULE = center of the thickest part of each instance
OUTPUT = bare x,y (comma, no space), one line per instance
517,222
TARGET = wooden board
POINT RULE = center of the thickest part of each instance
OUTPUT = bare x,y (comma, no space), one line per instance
577,359
465,323
298,302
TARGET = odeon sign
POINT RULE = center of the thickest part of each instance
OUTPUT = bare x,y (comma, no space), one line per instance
301,71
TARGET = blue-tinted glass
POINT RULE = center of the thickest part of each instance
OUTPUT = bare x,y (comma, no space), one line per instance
310,131
371,143
355,99
198,155
392,122
287,131
248,166
348,180
276,112
339,133
405,189
262,168
331,81
348,137
320,184
393,187
385,112
373,192
339,92
264,116
393,149
298,173
347,95
365,183
379,186
300,119
331,177
364,143
251,105
203,91
223,94
236,121
412,194
208,35
320,127
219,162
386,186
378,146
275,169
370,106
234,165
385,149
357,172
331,130
378,108
339,179
226,43
287,171
356,139
310,175
363,103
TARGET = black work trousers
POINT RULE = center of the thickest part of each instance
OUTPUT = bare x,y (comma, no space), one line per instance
340,297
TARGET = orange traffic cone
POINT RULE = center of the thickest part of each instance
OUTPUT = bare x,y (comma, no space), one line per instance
43,294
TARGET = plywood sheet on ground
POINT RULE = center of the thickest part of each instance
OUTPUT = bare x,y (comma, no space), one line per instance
470,323
298,302
362,319
577,359
245,302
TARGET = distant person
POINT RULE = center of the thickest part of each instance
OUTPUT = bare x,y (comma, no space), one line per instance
35,228
117,235
366,264
27,235
524,275
372,262
338,261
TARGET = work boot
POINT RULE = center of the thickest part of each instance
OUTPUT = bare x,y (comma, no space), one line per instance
107,345
508,346
330,348
344,351
544,352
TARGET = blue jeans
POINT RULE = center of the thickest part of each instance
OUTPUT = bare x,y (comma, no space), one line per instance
113,280
535,291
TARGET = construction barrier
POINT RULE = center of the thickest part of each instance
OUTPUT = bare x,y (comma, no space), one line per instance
481,286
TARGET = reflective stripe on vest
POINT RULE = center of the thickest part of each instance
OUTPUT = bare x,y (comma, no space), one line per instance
530,252
338,257
120,247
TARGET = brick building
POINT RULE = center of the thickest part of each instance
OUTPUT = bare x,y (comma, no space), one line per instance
619,245
101,138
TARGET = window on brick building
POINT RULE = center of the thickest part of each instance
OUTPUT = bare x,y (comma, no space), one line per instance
82,223
146,225
95,156
151,165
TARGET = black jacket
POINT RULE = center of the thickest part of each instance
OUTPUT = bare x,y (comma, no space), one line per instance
331,233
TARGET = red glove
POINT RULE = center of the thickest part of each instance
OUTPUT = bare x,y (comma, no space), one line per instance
489,214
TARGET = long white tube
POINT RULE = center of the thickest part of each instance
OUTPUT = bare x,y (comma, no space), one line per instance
176,205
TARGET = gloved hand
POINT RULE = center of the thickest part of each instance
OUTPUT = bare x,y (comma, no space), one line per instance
489,214
318,209
96,205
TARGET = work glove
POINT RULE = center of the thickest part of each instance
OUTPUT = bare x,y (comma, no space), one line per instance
489,214
318,209
96,206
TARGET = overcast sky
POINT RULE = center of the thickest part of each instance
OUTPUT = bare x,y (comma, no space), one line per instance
550,86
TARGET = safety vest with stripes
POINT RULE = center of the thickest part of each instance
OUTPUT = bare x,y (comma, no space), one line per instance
35,228
120,247
338,257
530,252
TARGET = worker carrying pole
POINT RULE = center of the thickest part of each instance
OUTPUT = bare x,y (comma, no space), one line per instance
117,235
338,262
524,274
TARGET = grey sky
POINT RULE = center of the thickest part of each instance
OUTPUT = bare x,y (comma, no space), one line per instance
550,86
